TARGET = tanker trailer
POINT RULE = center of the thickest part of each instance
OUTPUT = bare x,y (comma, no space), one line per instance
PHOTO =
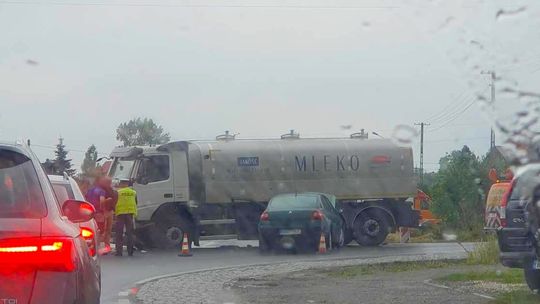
218,189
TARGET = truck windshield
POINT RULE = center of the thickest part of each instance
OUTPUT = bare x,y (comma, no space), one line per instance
121,169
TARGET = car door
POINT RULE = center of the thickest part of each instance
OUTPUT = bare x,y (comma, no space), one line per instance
331,213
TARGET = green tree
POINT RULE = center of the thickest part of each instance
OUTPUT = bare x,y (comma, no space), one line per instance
141,132
61,163
48,166
457,195
88,166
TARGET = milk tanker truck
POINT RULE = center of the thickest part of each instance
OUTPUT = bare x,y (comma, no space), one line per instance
218,189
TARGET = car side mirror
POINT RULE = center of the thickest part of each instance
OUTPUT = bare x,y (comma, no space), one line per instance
78,211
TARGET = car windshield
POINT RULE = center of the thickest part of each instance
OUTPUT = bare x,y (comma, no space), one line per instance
294,202
20,191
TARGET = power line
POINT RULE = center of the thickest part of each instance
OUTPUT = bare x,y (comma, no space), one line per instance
465,100
451,119
68,150
448,107
456,140
458,114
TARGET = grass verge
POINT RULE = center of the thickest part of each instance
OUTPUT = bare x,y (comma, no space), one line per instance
509,276
485,253
353,271
515,297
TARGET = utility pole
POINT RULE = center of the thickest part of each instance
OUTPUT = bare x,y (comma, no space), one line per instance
492,85
422,125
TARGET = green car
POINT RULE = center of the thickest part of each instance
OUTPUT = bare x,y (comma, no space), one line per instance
296,221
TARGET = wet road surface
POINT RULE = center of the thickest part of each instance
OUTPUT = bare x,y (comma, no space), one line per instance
121,273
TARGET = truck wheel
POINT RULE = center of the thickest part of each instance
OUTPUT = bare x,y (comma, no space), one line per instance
532,276
371,228
158,238
166,236
349,236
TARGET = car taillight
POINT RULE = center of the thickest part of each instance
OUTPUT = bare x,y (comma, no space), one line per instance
88,236
265,217
52,254
317,215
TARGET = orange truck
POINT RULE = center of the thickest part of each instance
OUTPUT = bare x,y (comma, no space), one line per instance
422,202
495,211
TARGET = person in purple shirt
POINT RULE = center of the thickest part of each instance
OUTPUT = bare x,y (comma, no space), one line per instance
97,196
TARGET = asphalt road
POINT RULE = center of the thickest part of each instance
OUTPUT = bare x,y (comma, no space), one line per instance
121,273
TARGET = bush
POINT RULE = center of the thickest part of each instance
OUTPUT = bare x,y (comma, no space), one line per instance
472,233
485,253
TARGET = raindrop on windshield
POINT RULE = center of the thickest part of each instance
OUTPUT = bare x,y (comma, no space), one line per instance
509,12
404,134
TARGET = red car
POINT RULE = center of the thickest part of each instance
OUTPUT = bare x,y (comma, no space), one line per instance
44,256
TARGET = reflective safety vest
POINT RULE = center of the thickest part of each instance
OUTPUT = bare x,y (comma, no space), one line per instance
127,203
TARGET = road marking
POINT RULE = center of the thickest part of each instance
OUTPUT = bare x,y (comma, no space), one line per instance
483,296
430,283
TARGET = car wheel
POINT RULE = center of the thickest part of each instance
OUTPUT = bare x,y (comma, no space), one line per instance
532,275
371,228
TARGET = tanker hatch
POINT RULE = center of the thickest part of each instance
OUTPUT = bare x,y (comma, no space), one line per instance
360,135
291,135
226,137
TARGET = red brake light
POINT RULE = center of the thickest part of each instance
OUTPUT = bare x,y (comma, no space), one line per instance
265,217
53,254
88,236
87,233
317,215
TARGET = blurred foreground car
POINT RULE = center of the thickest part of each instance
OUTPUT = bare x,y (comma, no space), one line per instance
43,255
66,188
298,220
513,234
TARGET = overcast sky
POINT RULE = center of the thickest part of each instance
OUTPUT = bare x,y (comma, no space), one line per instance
259,68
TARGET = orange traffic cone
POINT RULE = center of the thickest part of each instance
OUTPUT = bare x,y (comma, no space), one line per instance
185,247
322,244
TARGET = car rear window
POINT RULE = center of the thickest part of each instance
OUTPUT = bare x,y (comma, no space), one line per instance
63,192
521,189
294,202
20,192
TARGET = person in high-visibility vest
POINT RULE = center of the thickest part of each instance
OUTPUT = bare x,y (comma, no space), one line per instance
126,211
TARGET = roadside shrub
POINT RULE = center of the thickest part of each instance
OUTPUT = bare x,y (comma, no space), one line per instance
485,253
472,233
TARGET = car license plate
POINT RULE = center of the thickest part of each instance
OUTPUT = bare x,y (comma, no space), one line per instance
290,231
